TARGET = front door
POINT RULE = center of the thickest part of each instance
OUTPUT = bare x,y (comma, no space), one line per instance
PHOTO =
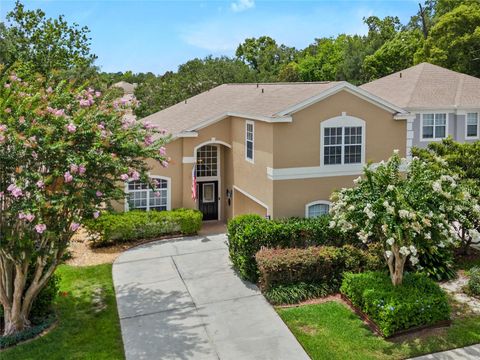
208,199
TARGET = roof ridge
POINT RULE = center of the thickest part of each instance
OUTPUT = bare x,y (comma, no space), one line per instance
416,81
285,83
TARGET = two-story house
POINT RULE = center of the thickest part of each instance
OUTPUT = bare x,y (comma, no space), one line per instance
280,149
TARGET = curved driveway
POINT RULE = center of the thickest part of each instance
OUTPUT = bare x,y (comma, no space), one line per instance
180,299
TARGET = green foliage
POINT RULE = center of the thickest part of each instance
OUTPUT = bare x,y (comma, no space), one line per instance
114,228
313,265
248,233
418,301
409,213
454,40
27,334
474,281
44,44
295,293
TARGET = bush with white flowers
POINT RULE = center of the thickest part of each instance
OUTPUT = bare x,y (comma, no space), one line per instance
402,206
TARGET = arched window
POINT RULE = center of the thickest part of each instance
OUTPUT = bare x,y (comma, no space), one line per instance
343,141
317,208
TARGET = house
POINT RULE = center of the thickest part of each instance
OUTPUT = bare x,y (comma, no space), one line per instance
280,149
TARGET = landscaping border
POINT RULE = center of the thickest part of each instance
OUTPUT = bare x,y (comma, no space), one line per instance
36,331
374,327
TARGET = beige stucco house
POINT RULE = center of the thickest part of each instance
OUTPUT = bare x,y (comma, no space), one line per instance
280,149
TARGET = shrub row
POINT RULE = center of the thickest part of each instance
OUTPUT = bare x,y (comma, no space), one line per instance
322,266
474,281
418,301
248,233
112,228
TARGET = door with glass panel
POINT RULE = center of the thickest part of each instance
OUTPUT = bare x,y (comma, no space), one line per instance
208,199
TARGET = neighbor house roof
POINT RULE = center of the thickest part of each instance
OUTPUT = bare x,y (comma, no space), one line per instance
271,102
427,86
125,86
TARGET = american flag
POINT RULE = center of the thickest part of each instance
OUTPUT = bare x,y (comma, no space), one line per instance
194,183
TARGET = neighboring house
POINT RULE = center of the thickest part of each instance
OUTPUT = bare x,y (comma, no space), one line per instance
280,149
127,87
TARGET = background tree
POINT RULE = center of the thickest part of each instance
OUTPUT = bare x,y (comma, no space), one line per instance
44,43
63,153
403,212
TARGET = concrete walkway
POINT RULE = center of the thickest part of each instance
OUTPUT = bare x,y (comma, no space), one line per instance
180,299
466,353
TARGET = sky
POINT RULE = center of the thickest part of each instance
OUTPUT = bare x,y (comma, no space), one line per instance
159,35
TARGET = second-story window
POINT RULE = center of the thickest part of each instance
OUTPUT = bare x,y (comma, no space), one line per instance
249,140
472,125
434,126
342,145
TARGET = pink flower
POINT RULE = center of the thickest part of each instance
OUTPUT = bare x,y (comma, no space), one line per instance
21,119
157,193
86,102
148,125
124,177
74,168
3,127
14,77
8,110
15,191
40,228
28,217
40,184
162,151
71,128
98,94
7,86
164,163
59,112
74,226
49,90
101,126
148,140
96,214
82,169
2,138
135,175
68,177
99,193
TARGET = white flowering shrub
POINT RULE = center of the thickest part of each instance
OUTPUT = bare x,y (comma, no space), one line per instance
403,209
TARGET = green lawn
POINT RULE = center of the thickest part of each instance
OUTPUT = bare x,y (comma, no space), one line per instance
332,331
88,328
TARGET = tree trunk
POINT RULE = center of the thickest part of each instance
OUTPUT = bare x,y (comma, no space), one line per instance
396,264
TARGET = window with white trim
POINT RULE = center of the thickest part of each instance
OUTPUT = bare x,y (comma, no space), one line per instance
249,140
207,161
472,125
434,126
140,195
317,208
342,145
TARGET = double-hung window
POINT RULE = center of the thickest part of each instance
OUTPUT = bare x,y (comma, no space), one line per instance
472,126
434,126
342,145
249,140
141,196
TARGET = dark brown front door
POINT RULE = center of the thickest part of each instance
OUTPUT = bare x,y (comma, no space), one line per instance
208,199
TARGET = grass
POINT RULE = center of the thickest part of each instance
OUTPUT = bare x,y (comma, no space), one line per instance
332,331
88,325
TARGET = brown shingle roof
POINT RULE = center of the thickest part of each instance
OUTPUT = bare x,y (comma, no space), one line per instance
427,86
248,99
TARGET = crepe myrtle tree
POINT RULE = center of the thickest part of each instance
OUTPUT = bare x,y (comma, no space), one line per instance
63,152
400,206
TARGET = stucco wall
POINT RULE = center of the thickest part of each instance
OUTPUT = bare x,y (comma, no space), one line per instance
244,205
297,144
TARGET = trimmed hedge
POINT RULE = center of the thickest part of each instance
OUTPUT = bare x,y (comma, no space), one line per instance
322,266
418,301
113,228
247,234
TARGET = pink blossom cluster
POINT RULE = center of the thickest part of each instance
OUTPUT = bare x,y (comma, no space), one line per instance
40,228
15,191
133,174
127,122
78,169
3,128
71,128
74,226
56,112
87,97
28,217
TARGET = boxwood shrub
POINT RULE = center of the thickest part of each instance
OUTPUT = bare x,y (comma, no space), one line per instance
418,301
113,228
248,233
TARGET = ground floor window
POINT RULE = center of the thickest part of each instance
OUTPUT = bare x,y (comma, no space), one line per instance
140,195
317,208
